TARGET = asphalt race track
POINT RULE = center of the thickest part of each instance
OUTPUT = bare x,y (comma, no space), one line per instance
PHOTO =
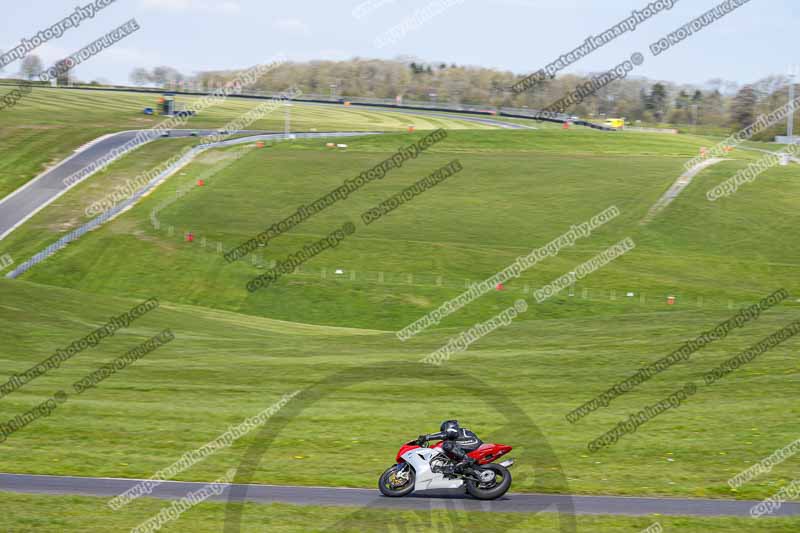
343,497
26,201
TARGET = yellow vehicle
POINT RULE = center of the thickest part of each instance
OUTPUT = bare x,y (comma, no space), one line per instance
618,123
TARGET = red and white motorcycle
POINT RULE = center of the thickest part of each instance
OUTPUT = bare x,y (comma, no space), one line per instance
420,467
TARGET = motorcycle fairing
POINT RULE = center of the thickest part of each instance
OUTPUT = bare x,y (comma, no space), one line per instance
420,459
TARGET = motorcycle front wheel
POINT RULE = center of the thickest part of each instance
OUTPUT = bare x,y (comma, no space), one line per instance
494,488
397,481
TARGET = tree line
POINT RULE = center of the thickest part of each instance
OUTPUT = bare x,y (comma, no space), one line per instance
716,104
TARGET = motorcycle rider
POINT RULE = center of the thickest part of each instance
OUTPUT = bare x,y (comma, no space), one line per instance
458,442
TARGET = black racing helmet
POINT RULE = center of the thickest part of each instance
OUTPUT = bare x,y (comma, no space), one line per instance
450,429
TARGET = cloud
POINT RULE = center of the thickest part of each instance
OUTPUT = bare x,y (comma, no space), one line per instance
167,5
292,25
211,7
50,52
130,56
327,54
229,8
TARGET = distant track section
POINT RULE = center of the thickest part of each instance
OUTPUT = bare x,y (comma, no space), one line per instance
38,193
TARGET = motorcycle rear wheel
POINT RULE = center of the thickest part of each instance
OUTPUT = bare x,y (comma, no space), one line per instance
388,486
499,486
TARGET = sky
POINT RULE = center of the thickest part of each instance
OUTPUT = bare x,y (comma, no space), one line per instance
752,42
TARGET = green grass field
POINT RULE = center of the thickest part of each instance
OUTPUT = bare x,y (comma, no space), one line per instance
47,125
236,353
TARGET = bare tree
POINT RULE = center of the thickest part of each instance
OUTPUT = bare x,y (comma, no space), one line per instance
163,75
31,66
140,76
743,107
63,78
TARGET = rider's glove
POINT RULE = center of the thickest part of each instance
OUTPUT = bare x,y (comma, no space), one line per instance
421,439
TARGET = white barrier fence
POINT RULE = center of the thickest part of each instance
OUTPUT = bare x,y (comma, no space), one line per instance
577,292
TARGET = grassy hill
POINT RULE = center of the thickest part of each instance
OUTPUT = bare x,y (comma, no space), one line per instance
518,191
235,353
